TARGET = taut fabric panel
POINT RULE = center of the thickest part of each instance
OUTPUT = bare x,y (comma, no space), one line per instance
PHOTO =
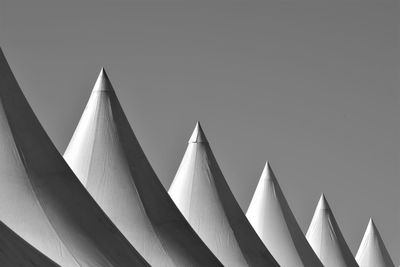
107,158
203,196
270,215
326,238
372,251
40,197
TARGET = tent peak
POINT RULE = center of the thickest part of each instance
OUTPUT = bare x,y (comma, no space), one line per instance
371,226
103,71
326,239
202,194
372,250
268,173
323,203
68,232
198,135
103,83
267,164
271,217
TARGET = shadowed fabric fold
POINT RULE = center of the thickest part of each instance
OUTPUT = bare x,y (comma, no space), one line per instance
15,251
41,199
372,251
200,191
270,215
108,159
326,238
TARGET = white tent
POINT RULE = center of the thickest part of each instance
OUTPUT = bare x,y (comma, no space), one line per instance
41,199
372,251
107,158
326,238
271,217
14,251
203,196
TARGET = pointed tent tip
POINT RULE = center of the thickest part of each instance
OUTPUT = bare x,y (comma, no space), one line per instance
102,72
198,135
103,83
267,164
371,226
268,173
267,167
323,203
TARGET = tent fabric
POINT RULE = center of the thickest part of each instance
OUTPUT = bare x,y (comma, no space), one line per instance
108,159
16,252
326,238
202,194
41,199
270,215
372,251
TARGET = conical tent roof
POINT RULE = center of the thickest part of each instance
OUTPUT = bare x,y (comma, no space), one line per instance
14,251
271,217
326,238
41,199
203,196
372,251
106,156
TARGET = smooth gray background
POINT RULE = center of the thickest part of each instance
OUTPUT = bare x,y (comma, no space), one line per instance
311,86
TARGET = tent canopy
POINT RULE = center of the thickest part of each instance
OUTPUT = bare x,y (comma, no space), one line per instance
202,194
41,199
326,238
372,251
270,215
108,159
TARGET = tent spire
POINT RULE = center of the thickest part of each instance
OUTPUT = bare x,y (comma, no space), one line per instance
322,203
46,204
103,83
108,159
372,251
202,194
271,217
267,173
326,239
198,135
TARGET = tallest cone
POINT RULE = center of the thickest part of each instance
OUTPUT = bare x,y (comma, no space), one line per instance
108,159
40,197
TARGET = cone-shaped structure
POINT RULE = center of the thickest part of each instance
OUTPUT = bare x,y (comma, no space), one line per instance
271,217
372,251
107,158
326,238
41,199
203,196
14,251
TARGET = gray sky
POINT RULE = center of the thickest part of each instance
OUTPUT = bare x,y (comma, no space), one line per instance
312,86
